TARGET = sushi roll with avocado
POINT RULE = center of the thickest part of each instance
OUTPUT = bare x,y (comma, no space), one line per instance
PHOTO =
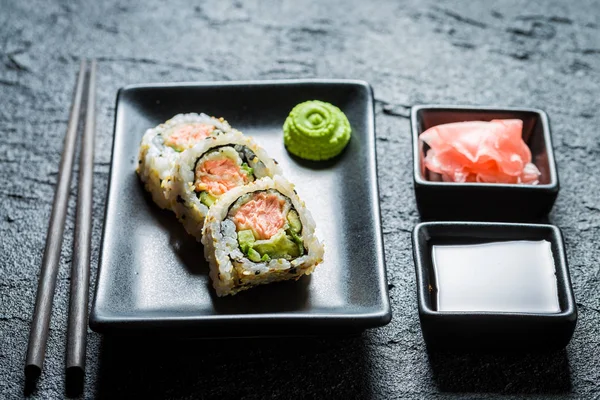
203,173
163,144
257,234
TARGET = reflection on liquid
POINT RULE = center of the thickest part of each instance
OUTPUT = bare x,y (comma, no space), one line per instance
512,276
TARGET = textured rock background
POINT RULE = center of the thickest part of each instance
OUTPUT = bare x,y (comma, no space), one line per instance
542,54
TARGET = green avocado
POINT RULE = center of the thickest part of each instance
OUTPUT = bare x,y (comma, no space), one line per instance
298,240
247,170
253,255
207,199
279,246
246,240
294,221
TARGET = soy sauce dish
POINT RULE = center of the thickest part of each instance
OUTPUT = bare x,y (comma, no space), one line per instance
480,197
493,286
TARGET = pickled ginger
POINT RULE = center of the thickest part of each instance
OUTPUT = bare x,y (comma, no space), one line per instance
480,151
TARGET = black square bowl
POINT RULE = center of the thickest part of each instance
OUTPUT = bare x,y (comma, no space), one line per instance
491,331
438,200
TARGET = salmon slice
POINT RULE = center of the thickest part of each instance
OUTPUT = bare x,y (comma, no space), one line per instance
263,215
480,151
186,135
219,176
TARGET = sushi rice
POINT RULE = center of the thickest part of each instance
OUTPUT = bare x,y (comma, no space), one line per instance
191,187
231,268
162,145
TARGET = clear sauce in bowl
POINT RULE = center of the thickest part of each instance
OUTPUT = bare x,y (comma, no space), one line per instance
511,276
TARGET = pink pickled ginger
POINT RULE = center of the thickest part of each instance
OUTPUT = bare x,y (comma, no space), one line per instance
479,151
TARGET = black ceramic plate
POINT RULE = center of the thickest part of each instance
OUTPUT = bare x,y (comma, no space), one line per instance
152,275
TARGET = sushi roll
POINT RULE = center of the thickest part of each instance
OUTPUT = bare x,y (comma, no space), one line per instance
211,168
163,144
257,234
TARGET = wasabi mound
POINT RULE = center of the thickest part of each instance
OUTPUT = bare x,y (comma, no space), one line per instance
316,130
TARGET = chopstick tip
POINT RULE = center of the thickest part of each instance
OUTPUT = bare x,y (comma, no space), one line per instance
75,377
32,372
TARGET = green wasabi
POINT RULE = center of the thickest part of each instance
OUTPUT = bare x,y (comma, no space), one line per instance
316,130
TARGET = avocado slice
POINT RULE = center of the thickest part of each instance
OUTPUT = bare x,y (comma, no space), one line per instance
279,246
253,255
294,221
245,239
297,239
247,170
207,199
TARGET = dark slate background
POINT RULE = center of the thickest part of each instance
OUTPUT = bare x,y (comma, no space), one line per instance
542,54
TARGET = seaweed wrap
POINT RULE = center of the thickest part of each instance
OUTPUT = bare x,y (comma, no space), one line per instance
257,234
205,172
163,144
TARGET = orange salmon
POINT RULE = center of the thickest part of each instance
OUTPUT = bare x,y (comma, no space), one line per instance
263,215
187,135
219,176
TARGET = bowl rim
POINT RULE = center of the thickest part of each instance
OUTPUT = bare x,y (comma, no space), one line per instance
553,185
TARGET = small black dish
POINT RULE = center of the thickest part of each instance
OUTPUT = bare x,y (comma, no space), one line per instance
485,201
485,330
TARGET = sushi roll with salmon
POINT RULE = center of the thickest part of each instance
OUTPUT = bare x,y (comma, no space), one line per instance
163,144
259,233
203,173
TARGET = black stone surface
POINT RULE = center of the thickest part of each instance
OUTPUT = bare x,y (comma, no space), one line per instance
543,54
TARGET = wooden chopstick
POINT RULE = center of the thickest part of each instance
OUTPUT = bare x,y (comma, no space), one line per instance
80,268
38,336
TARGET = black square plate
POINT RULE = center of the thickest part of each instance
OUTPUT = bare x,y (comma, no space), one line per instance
485,201
459,330
153,277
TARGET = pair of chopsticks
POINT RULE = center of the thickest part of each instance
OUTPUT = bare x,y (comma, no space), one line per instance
80,269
